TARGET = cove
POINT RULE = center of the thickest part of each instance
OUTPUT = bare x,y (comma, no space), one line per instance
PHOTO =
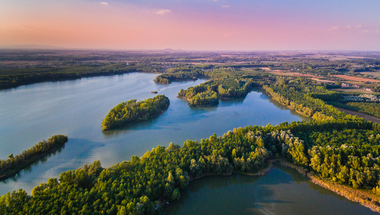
76,108
282,191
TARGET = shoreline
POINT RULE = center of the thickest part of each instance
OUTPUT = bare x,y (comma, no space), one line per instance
150,117
67,78
188,100
364,198
30,162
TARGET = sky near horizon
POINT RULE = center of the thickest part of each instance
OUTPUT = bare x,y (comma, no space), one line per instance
193,24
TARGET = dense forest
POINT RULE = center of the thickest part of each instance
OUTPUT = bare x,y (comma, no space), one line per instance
167,78
208,93
305,98
132,111
143,184
16,163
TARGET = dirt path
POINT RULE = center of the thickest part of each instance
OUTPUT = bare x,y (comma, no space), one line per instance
362,115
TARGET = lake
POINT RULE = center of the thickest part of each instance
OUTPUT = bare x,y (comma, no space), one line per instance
282,191
76,108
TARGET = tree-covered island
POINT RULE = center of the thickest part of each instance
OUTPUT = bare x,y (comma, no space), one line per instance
14,164
135,111
208,93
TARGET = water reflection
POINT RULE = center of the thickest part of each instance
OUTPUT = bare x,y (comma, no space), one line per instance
145,125
282,191
53,164
29,168
77,108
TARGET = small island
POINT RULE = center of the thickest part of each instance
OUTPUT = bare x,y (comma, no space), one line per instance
15,164
208,93
133,111
200,96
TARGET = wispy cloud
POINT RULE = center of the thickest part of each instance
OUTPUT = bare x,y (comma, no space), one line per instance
103,3
347,27
225,6
162,11
353,29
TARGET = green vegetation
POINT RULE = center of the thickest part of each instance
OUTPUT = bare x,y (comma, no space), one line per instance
300,95
169,77
133,111
144,184
369,108
15,77
207,94
200,95
206,98
334,146
349,156
14,164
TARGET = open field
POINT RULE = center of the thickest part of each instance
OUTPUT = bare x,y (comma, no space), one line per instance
294,74
375,74
351,78
320,80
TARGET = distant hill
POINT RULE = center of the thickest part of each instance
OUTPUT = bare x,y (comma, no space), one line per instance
173,50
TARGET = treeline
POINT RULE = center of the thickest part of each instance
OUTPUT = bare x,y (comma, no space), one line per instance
335,146
208,93
205,98
303,102
167,78
144,184
200,95
350,156
133,111
16,163
320,92
233,87
369,108
16,77
193,72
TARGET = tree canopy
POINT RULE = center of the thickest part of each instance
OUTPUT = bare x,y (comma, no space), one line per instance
132,111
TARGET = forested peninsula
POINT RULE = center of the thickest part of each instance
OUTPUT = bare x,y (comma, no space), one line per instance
132,111
144,184
14,164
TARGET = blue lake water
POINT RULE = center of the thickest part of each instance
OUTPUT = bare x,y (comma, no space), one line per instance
76,108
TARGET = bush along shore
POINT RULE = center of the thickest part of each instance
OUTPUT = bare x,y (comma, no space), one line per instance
143,184
338,151
15,164
133,111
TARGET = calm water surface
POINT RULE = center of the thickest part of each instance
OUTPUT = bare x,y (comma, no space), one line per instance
283,191
76,108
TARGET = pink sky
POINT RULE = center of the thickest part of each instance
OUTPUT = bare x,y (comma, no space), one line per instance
191,25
